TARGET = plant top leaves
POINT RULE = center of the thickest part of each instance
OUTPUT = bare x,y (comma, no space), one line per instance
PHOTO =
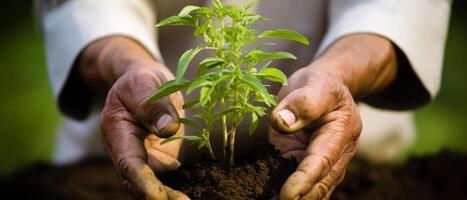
285,34
168,88
185,61
177,20
228,84
187,10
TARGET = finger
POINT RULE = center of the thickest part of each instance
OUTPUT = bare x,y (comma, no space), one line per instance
324,188
291,145
133,192
175,195
160,117
303,106
124,143
327,146
164,157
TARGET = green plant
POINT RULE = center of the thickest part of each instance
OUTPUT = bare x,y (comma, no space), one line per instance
232,78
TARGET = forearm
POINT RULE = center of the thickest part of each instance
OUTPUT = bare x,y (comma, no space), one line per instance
366,63
105,60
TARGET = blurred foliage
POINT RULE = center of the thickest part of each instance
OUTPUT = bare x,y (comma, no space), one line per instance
443,123
28,116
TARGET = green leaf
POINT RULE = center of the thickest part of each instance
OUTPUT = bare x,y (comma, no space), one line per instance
259,89
259,110
232,11
201,145
259,55
201,29
176,20
205,11
204,95
191,104
168,88
252,18
255,83
253,123
188,122
273,74
285,34
210,63
188,138
251,4
217,4
265,45
187,10
228,110
185,61
197,84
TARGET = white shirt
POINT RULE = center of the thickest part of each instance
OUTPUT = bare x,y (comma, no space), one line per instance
417,27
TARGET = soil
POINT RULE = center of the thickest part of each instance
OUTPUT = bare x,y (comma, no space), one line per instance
254,176
441,176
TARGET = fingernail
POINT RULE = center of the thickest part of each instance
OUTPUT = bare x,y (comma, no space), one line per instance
287,116
163,121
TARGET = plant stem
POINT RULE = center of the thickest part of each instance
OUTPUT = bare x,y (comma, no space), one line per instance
232,144
211,153
236,121
224,130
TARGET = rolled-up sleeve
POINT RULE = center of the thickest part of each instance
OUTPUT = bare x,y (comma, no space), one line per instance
418,28
69,26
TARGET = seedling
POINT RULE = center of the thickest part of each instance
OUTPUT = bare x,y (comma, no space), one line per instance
229,82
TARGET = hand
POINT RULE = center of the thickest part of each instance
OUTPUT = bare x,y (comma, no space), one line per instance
126,121
131,127
319,101
323,107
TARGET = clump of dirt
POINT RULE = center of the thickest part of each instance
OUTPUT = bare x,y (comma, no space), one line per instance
255,176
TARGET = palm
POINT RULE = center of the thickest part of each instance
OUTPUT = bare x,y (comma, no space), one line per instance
323,126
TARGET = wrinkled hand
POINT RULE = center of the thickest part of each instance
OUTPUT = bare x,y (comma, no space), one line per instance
320,105
126,121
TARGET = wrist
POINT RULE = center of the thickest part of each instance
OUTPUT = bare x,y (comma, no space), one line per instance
106,60
365,63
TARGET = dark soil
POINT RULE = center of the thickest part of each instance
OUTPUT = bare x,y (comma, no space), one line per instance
93,178
255,176
442,176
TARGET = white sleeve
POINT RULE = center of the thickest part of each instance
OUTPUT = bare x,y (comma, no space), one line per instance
417,27
71,25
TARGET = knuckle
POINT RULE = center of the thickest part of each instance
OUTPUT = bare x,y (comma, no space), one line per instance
336,176
327,164
304,102
123,166
356,127
322,191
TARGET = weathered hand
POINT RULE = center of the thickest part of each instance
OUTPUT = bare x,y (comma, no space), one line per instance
321,106
126,121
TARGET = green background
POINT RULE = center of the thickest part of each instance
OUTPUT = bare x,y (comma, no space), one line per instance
29,118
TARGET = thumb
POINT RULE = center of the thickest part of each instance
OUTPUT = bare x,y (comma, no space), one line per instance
300,108
161,118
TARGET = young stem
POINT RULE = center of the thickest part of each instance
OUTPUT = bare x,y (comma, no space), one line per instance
232,144
209,124
211,153
233,132
224,130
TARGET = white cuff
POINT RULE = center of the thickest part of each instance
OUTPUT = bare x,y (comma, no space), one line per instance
417,27
73,25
